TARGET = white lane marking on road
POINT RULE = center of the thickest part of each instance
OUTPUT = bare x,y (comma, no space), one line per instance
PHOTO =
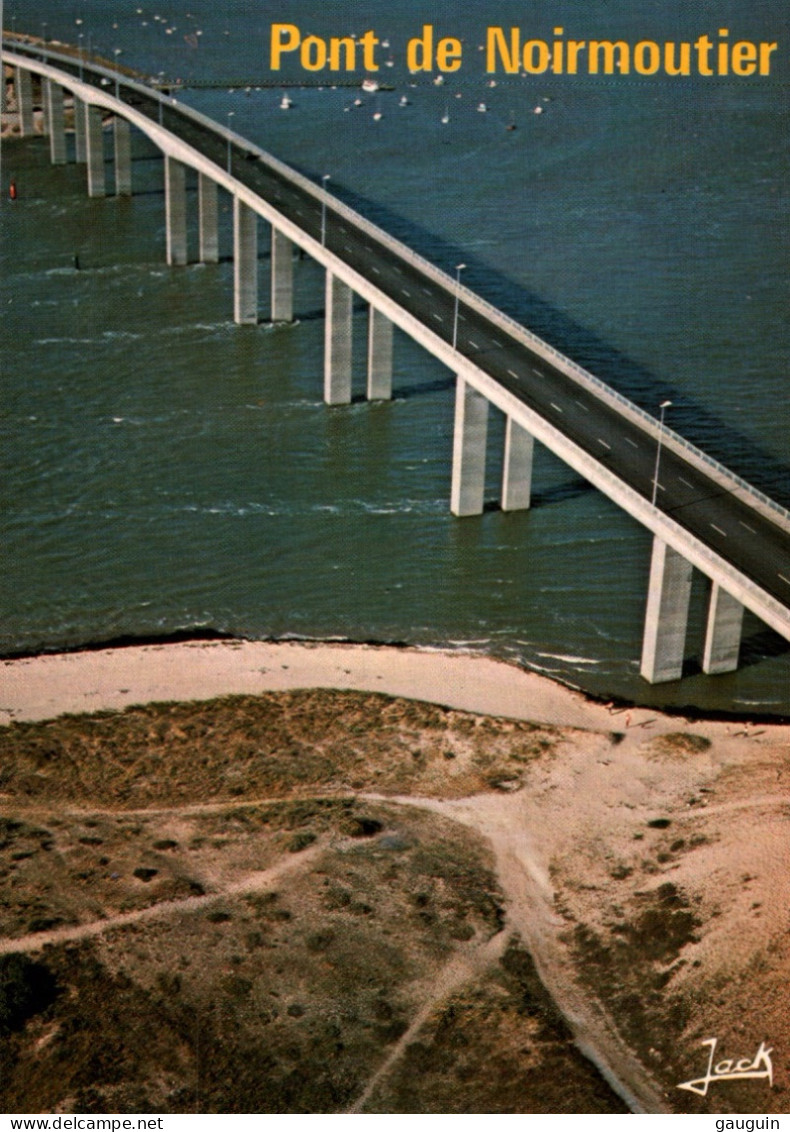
348,247
603,442
512,374
721,532
686,482
633,443
427,291
784,579
403,291
462,317
473,344
376,270
497,344
536,371
751,530
559,410
438,317
581,405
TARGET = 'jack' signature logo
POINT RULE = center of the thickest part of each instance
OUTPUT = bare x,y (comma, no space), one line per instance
759,1067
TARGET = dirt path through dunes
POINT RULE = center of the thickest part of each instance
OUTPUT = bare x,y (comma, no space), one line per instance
462,968
507,822
253,882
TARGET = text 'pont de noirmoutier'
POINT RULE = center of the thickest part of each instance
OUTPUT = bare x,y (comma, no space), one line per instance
509,52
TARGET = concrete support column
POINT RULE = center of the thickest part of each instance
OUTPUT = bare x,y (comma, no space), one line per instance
44,84
337,341
723,633
517,468
469,450
282,277
666,618
379,356
175,212
245,263
122,135
207,219
80,146
24,101
57,126
94,138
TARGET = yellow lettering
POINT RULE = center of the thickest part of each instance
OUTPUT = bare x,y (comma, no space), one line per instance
744,58
313,53
419,52
608,48
536,57
647,57
766,51
495,43
684,66
723,53
284,37
702,47
369,44
574,47
448,54
334,53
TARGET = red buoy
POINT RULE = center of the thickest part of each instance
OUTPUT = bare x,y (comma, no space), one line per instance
12,190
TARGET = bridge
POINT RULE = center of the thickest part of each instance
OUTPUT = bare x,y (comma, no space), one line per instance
700,514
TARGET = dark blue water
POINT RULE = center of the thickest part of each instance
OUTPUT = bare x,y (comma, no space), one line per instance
164,469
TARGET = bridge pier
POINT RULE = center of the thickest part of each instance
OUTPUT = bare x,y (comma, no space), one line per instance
80,147
94,139
337,341
122,136
723,632
666,617
24,100
379,356
175,212
469,450
53,99
208,241
245,263
282,276
517,467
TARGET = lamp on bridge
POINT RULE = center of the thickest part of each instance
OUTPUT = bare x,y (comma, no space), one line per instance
82,57
116,52
230,115
663,407
459,267
324,180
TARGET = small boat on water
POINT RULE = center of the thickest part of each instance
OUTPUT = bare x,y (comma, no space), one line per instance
370,85
482,108
285,102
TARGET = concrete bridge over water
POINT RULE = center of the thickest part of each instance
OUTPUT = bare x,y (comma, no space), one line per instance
701,515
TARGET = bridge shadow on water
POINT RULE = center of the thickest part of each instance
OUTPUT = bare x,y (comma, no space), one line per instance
696,422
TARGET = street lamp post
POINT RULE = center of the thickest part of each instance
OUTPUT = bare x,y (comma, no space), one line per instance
82,57
324,180
663,407
116,52
230,115
459,267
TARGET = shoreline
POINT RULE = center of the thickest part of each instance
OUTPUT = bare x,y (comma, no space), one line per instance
202,666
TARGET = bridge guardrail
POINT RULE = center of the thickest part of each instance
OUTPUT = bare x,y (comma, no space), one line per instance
733,482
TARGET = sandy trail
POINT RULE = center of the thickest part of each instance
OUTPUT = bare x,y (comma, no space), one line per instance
470,964
259,881
508,824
